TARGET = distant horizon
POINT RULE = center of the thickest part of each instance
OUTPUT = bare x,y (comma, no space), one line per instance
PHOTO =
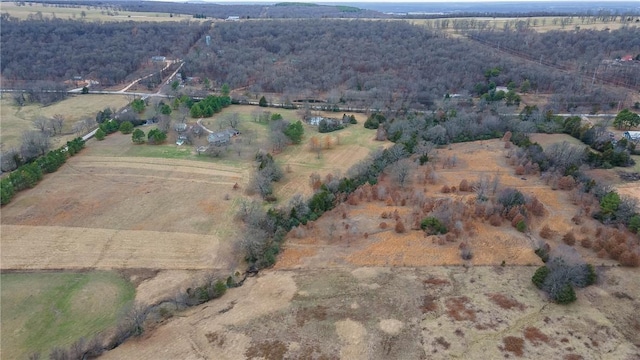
333,2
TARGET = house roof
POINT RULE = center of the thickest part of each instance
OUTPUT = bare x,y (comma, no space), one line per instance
219,136
223,135
626,58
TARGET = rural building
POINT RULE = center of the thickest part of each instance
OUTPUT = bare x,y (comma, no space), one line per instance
180,127
233,18
222,137
158,58
632,135
626,58
315,120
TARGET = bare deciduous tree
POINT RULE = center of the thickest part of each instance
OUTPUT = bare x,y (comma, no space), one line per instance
401,171
34,144
482,188
42,124
232,120
57,123
164,123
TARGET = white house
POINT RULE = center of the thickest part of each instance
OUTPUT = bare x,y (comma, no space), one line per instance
315,120
632,135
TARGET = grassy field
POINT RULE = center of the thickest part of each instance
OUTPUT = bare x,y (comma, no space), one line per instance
546,140
44,310
15,120
91,13
347,147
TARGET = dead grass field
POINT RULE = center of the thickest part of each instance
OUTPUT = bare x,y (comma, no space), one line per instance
344,243
477,312
119,205
539,24
331,295
124,212
15,120
91,13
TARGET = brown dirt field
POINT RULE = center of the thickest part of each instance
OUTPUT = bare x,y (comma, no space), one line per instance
382,313
258,297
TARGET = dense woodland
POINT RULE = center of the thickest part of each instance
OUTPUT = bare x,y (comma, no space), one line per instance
588,53
382,64
108,52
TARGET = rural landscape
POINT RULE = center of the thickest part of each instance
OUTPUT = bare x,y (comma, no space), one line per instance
309,181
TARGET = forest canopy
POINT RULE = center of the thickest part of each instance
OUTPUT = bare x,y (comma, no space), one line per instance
56,49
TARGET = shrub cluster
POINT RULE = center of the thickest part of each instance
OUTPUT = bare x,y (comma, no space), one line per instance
561,273
433,226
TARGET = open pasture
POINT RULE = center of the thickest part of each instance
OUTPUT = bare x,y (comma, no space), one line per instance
86,13
121,205
15,120
43,310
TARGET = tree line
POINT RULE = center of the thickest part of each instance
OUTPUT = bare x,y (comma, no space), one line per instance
28,175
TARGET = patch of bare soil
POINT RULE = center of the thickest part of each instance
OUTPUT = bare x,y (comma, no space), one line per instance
209,332
336,313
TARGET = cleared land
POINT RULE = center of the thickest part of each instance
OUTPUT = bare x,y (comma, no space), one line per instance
118,211
120,205
340,151
87,13
325,245
402,313
539,24
608,176
340,294
15,120
43,310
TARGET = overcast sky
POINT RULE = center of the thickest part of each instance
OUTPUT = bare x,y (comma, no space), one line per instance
372,1
391,2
